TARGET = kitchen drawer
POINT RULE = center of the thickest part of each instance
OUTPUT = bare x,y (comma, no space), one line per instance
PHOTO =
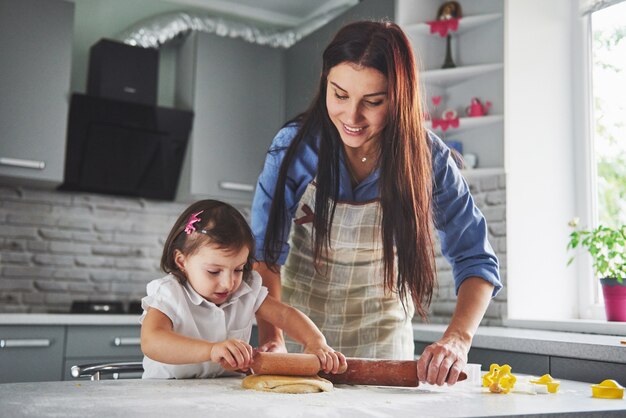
73,361
31,353
120,342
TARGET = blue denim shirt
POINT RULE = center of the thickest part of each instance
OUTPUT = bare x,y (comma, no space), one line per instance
461,226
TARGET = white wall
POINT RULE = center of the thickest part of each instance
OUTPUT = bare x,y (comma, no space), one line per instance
539,132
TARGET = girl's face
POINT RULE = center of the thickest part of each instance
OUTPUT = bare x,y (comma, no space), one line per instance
214,273
357,103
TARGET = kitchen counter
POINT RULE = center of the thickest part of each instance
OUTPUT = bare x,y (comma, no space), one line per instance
551,343
68,319
224,397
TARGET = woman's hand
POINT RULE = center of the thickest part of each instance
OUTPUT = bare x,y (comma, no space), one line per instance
443,361
232,354
330,360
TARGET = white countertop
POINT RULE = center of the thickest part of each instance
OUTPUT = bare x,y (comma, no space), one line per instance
68,319
225,398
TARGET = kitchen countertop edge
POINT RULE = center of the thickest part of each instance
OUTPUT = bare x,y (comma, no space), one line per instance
68,319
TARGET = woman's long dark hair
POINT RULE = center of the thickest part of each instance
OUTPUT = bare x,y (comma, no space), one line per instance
405,162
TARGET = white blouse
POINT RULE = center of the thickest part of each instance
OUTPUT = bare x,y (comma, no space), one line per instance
195,317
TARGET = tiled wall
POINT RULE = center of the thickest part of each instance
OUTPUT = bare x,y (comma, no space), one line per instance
57,247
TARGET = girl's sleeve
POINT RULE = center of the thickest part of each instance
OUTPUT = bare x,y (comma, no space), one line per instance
461,226
297,176
258,289
162,296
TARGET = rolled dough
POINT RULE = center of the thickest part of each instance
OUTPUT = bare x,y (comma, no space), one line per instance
286,384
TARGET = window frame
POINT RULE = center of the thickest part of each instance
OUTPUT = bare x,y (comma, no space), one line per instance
591,304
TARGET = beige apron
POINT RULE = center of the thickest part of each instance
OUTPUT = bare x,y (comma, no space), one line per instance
347,300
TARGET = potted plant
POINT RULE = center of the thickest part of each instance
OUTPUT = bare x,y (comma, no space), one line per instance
607,247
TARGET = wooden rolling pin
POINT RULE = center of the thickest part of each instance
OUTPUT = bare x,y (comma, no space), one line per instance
379,373
358,372
287,364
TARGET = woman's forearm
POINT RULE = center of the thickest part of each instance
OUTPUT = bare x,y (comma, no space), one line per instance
271,280
473,299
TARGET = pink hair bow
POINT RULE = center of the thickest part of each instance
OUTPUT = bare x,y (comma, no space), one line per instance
189,228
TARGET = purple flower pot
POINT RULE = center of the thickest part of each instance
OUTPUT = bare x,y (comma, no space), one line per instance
614,299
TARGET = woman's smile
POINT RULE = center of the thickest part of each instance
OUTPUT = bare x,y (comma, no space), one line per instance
350,130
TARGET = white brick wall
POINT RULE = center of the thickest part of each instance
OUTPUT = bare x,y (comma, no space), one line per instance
57,247
490,196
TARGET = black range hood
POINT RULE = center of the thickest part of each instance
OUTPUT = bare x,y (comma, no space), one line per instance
125,148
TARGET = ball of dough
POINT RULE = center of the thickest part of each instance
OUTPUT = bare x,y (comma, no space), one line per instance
286,384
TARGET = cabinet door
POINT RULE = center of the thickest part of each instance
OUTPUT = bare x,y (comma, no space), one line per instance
31,353
235,89
36,50
121,342
102,344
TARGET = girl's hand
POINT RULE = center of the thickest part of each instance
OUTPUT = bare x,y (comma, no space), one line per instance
443,361
232,354
330,360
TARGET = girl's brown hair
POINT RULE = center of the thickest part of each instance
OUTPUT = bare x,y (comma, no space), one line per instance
405,162
222,226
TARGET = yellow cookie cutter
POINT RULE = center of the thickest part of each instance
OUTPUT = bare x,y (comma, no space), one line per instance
608,389
546,379
499,379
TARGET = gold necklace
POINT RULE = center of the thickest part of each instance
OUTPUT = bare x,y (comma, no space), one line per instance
366,157
352,174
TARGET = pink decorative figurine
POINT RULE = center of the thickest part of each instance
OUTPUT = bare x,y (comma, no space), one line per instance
476,108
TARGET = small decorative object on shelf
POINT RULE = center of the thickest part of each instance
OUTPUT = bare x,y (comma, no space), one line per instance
448,17
448,118
449,114
476,108
470,161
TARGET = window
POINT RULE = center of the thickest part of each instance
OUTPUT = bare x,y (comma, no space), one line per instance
609,109
607,62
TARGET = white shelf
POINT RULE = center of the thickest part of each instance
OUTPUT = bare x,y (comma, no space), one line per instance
465,24
486,171
451,76
470,123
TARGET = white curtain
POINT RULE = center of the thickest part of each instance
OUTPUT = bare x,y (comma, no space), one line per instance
590,6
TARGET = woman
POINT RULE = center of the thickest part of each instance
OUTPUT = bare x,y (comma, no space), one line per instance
345,206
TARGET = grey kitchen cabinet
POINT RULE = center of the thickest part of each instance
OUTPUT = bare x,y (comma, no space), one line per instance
236,90
587,370
535,364
101,344
31,353
35,68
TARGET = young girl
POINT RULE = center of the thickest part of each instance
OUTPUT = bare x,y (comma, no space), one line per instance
197,320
